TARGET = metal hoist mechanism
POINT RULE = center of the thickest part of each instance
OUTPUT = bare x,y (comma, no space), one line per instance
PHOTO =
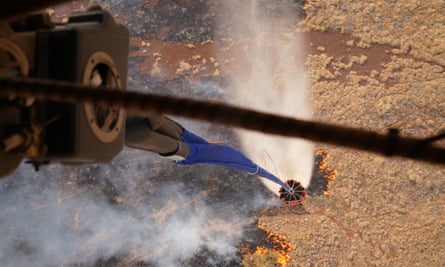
89,49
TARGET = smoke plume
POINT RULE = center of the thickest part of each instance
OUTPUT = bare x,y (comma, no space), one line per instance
137,209
140,208
271,77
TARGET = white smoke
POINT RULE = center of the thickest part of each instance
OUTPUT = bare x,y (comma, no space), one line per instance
273,80
62,216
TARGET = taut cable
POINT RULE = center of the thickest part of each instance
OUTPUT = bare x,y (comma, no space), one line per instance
390,144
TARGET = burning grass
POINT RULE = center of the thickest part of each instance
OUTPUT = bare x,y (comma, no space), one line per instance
272,249
265,248
322,175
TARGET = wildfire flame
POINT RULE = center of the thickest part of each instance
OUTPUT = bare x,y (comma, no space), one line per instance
282,247
272,249
280,250
324,171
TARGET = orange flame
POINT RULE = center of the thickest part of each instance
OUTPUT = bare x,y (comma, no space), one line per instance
329,174
282,247
280,250
260,251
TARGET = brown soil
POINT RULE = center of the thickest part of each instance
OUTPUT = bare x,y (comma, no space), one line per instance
385,212
372,66
382,211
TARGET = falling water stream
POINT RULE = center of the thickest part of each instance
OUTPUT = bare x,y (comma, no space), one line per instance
273,79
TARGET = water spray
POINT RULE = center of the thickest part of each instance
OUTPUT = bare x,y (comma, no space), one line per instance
271,177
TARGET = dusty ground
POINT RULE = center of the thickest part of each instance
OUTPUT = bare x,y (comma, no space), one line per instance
377,66
372,66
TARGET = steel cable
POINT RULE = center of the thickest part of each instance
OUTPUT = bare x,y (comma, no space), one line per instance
390,144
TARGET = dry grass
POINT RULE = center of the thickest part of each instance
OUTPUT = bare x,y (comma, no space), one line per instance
387,70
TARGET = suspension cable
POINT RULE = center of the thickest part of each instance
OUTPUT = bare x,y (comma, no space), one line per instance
147,104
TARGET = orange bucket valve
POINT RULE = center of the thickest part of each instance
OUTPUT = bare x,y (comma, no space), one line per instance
293,196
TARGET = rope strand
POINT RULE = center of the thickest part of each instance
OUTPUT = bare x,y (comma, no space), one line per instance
148,104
